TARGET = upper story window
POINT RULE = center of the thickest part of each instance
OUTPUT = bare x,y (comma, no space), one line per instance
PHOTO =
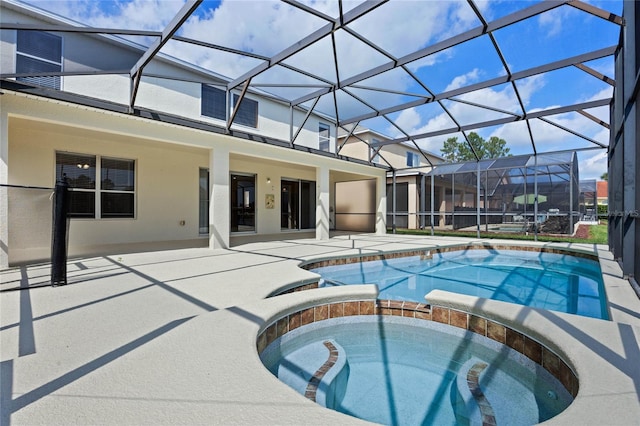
413,160
324,137
112,195
39,52
247,113
376,157
214,104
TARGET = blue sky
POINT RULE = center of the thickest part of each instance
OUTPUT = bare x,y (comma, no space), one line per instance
400,27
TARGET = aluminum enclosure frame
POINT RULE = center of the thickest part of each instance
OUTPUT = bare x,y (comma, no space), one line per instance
321,86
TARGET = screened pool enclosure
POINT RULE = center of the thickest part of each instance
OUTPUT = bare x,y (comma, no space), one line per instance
526,193
415,72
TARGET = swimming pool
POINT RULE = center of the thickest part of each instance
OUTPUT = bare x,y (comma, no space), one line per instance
558,282
407,371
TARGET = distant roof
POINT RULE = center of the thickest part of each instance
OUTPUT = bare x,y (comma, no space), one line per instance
602,189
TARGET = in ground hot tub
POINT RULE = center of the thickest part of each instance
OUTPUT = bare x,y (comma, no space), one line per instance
398,370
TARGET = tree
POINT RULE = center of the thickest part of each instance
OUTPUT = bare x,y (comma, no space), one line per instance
605,176
455,151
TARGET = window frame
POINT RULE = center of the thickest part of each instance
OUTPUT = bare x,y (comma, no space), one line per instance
212,91
322,127
102,191
413,159
248,114
40,81
376,158
98,191
245,104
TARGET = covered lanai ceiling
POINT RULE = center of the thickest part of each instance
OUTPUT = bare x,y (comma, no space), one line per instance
538,74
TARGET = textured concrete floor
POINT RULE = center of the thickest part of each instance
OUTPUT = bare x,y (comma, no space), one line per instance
169,337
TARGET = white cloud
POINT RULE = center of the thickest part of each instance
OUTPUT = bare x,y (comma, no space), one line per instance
501,97
408,119
464,80
551,21
592,166
605,93
134,14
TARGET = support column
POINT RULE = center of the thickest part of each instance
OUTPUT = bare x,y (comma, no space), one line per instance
381,211
535,200
478,199
630,192
442,209
219,204
394,209
423,202
322,204
433,202
4,196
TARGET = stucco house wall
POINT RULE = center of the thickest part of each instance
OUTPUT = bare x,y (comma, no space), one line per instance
169,148
168,158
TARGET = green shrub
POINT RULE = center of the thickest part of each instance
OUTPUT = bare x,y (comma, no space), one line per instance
603,210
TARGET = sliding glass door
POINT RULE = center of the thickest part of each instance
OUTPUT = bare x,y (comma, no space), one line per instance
203,211
243,203
297,204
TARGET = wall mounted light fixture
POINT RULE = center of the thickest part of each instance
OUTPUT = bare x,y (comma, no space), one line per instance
268,180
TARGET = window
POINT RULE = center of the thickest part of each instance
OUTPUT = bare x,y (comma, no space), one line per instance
247,113
372,150
213,103
412,159
39,52
113,195
324,137
80,171
116,188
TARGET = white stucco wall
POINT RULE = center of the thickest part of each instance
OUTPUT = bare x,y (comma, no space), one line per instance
166,187
168,159
112,88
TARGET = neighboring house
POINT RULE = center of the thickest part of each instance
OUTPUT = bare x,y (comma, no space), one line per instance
170,172
602,192
506,185
412,187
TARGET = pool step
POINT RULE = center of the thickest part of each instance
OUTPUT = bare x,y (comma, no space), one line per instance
319,371
487,396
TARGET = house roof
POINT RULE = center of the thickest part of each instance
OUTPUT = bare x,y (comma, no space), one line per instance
602,189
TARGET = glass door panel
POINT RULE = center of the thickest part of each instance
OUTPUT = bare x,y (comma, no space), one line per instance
289,204
243,203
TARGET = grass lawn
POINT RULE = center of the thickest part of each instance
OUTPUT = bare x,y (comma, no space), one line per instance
597,235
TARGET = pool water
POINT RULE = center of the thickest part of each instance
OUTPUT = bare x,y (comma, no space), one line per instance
402,372
552,281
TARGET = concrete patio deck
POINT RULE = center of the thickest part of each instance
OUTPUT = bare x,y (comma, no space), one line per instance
170,337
